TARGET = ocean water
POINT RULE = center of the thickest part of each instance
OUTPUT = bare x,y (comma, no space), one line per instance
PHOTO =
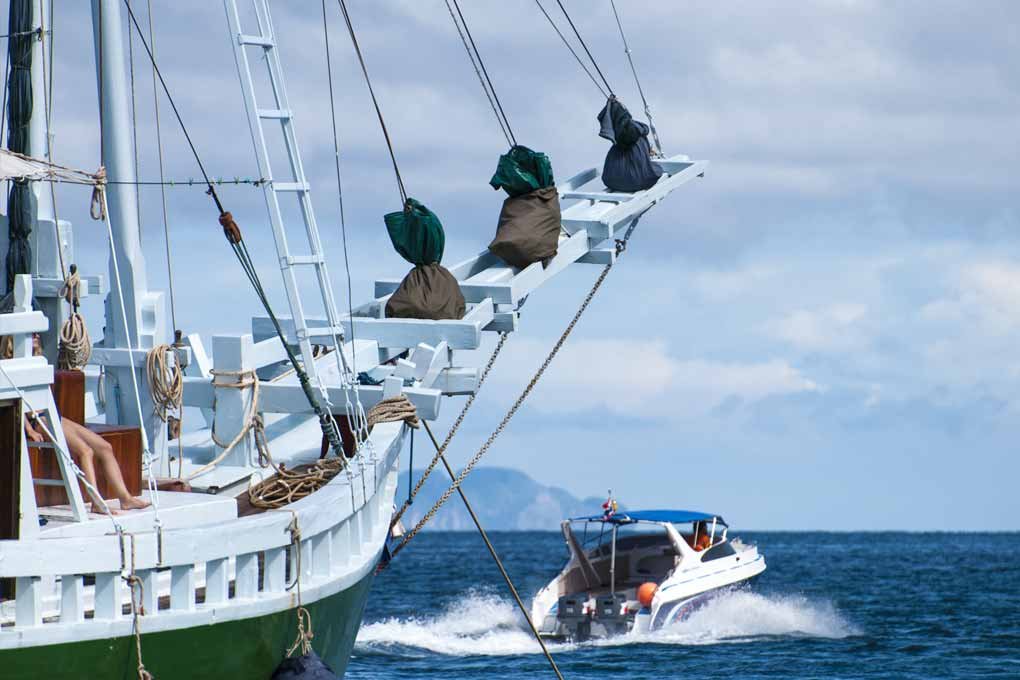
830,605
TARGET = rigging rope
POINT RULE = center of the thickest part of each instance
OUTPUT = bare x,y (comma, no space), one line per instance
483,74
135,584
648,109
232,232
375,102
162,178
577,57
584,45
339,190
453,430
620,247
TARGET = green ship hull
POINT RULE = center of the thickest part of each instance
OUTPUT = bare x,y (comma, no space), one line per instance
248,649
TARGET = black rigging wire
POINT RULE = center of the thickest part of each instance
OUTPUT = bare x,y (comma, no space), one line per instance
584,45
504,122
478,72
240,249
173,105
633,69
339,190
375,102
577,57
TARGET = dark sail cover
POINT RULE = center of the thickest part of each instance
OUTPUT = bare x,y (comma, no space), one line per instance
416,233
521,170
21,200
529,228
629,166
529,222
428,291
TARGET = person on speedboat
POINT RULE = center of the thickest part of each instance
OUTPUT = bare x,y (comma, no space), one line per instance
699,540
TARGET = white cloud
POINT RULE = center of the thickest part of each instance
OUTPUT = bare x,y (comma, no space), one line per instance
835,328
641,378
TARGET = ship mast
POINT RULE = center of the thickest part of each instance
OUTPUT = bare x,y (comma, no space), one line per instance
146,323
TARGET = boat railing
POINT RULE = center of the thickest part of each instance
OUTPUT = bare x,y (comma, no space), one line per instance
187,575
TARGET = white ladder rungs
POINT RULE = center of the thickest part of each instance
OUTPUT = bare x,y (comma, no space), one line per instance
255,40
291,186
290,260
274,113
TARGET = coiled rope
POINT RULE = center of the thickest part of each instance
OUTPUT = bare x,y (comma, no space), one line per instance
287,486
166,381
75,346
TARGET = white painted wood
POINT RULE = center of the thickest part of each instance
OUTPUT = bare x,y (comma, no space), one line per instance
46,287
275,570
322,554
392,386
108,596
217,581
307,565
246,578
28,609
24,372
232,353
597,196
182,587
578,180
342,545
455,381
440,358
113,356
404,368
28,523
200,366
23,322
401,333
150,591
72,599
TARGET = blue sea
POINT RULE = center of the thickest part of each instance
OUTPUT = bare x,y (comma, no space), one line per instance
830,605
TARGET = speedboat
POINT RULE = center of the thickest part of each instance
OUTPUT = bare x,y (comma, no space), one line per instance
640,571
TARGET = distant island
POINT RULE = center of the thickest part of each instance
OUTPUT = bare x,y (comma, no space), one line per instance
504,499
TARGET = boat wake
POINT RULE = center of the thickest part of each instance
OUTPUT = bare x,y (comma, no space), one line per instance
484,625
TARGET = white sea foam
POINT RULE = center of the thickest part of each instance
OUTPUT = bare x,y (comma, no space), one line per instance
484,625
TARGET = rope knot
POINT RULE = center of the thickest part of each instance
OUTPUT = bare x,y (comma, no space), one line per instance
98,207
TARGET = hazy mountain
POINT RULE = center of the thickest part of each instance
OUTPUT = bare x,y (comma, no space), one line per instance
503,499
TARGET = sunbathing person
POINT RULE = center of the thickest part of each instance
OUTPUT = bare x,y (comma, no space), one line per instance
86,447
89,449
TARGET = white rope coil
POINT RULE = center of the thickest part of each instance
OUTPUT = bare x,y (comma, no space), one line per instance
75,346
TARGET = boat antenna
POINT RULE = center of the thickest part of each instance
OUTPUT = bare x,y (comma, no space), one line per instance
232,232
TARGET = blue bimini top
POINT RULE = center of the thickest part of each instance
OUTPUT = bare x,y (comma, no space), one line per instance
672,516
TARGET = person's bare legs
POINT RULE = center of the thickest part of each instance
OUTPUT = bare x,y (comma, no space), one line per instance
94,448
84,456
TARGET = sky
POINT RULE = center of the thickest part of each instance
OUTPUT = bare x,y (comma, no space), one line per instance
822,333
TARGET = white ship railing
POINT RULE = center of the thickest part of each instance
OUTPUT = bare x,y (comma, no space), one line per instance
196,575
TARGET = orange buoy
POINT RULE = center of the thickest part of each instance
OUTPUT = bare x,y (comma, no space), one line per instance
645,593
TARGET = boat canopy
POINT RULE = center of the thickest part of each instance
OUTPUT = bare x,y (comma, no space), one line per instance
672,516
